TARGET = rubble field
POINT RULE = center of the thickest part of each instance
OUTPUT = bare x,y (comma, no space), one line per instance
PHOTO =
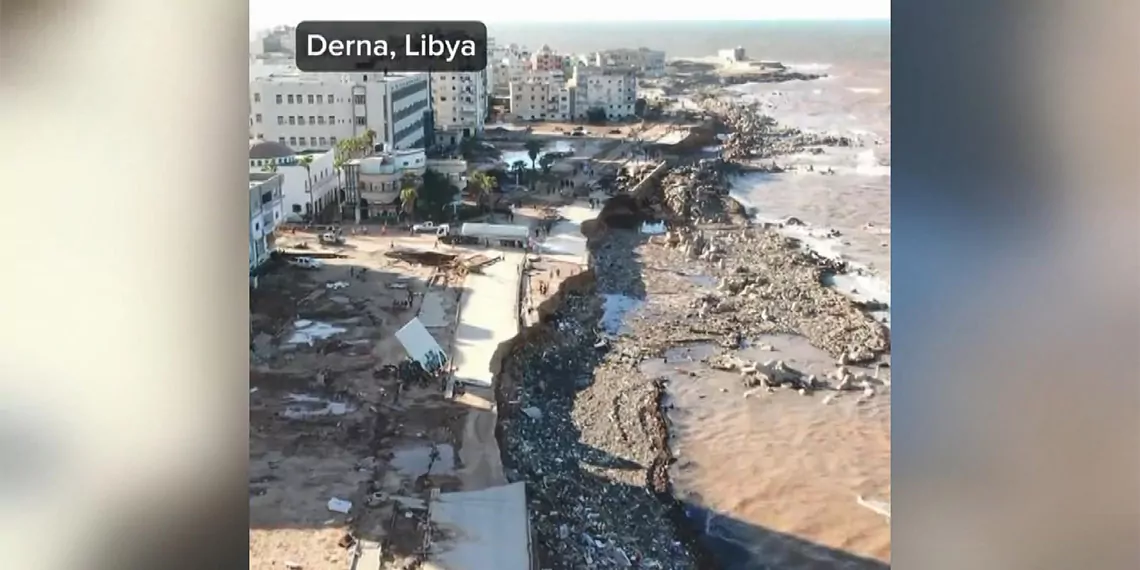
336,417
581,419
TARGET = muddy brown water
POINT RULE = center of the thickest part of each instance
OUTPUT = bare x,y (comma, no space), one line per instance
772,479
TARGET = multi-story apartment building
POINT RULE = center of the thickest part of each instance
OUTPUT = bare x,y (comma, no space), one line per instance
642,60
541,96
614,92
459,105
264,215
314,111
509,63
545,60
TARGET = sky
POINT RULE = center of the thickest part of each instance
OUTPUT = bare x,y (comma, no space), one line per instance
268,13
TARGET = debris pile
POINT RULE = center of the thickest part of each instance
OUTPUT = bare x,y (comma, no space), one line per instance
579,440
754,135
697,193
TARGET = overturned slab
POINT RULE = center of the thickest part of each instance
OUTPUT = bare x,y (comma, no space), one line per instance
485,530
419,344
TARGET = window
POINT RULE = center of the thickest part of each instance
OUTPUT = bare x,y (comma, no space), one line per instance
320,99
321,120
293,141
332,140
281,140
312,120
296,208
300,120
358,99
292,120
257,97
330,98
323,141
290,99
257,118
310,99
280,120
332,120
360,121
279,99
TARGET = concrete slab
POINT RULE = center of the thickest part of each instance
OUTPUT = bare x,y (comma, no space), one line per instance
432,312
488,530
488,316
566,242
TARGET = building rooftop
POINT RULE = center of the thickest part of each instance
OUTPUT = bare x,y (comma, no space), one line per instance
262,149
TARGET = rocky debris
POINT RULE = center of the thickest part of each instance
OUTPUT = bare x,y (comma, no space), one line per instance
766,284
697,192
587,453
754,135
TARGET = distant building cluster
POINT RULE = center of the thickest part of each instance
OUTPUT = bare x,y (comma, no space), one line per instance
545,85
297,120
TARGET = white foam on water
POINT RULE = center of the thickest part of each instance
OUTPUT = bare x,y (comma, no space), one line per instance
873,90
868,165
808,67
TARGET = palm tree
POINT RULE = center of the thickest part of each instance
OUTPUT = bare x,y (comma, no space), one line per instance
517,167
533,148
270,167
338,166
307,163
482,183
408,198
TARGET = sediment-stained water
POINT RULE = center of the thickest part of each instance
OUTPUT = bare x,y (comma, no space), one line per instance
773,479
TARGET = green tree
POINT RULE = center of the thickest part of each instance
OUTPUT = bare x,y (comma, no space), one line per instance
408,197
517,167
481,184
369,140
271,167
307,163
435,193
533,148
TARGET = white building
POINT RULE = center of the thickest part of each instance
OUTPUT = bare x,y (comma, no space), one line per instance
730,56
379,178
541,96
315,110
264,215
615,92
303,190
643,60
459,103
510,63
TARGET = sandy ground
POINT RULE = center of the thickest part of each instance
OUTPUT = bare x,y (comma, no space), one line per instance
322,424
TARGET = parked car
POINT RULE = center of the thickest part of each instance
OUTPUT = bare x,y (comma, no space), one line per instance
431,228
615,131
578,134
304,262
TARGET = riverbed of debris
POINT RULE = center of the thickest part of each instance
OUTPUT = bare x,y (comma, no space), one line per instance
588,438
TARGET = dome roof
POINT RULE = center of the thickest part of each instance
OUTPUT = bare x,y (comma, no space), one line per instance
269,149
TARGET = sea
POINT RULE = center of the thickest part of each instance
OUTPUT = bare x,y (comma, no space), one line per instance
784,480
